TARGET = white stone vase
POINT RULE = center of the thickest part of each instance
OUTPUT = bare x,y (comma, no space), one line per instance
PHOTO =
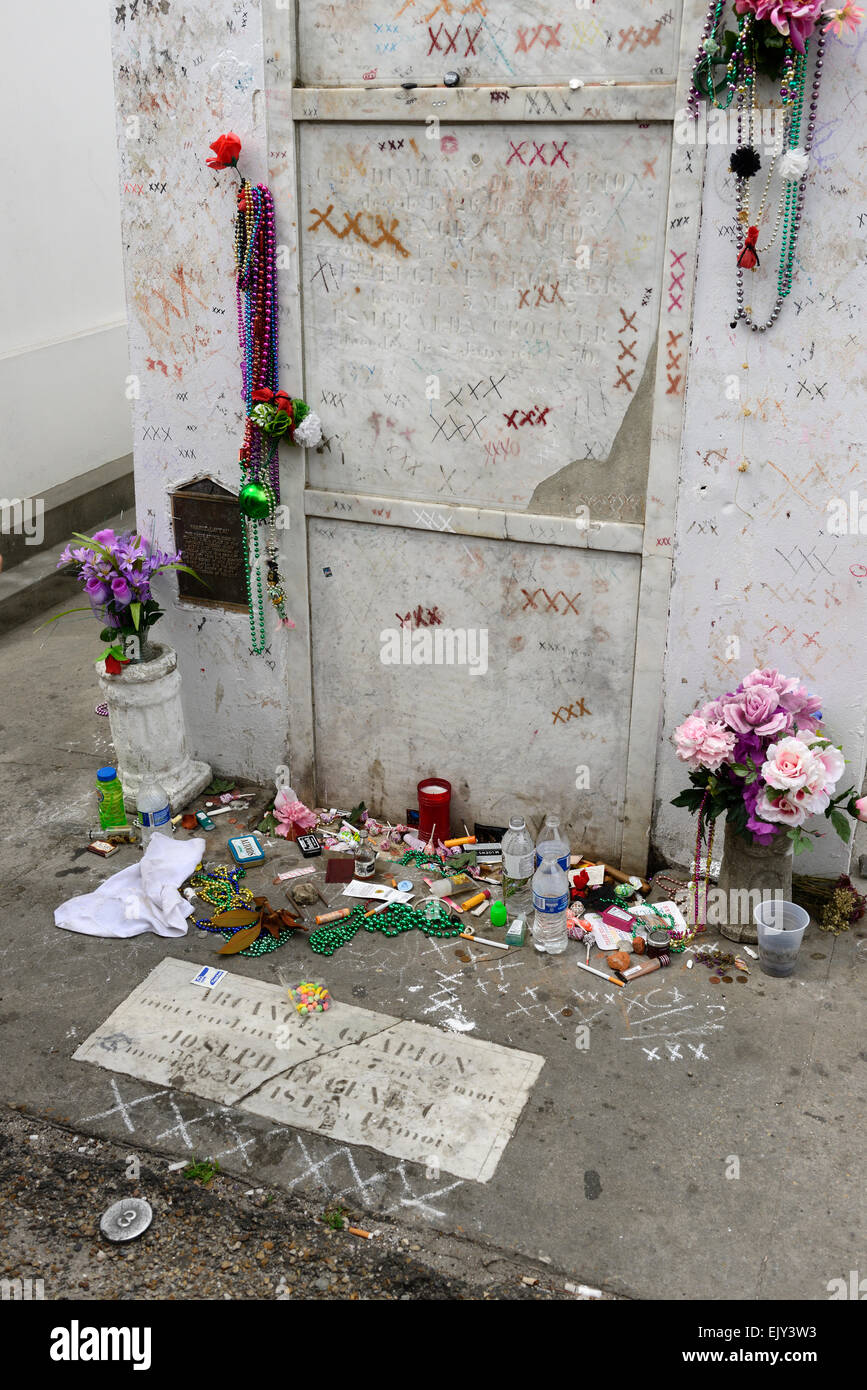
749,870
147,726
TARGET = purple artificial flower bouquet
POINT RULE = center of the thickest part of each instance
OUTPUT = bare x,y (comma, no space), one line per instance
759,755
116,573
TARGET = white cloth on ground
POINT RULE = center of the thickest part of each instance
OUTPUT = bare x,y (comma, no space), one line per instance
143,897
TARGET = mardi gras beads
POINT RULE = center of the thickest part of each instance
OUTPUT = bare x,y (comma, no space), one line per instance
220,887
393,920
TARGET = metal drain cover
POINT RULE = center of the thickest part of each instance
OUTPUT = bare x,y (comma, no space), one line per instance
127,1219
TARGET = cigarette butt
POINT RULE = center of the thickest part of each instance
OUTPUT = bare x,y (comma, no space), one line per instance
333,916
357,1231
525,1279
462,840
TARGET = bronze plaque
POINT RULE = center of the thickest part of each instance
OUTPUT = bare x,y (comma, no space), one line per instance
207,526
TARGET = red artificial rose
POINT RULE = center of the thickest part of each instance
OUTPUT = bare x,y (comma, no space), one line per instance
283,401
226,148
262,393
113,667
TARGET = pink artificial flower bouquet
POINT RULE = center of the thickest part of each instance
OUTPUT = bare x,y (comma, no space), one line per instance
759,754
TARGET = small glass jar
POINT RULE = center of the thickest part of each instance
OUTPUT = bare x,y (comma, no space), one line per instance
657,943
365,856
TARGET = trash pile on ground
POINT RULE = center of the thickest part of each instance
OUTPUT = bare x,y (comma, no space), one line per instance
493,887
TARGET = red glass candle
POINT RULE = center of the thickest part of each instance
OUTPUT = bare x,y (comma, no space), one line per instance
434,806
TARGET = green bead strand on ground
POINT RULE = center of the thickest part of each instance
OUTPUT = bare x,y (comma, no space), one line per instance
393,920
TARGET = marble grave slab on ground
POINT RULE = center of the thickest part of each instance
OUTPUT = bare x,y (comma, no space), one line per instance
359,1077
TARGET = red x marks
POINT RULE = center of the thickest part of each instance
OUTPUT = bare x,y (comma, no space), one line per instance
538,153
536,416
351,220
673,361
471,42
452,40
543,298
551,603
675,301
552,41
570,712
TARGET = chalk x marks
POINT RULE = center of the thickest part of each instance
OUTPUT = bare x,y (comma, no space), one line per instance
342,1173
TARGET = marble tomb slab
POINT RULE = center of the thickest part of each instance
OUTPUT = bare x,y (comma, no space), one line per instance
359,1077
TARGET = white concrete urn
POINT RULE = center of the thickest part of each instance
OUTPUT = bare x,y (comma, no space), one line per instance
147,726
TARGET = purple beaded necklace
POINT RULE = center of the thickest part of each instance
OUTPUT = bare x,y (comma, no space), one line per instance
270,414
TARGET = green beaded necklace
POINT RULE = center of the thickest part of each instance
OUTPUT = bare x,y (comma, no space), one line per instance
264,944
394,920
421,860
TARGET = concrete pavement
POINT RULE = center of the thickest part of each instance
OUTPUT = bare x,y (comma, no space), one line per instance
616,1173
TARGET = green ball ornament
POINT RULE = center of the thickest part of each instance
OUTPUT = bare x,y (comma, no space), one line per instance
255,501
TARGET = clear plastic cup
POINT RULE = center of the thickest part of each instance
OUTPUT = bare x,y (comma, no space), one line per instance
780,926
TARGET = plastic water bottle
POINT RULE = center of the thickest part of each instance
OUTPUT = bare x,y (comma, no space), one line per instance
518,856
550,901
551,841
154,812
110,798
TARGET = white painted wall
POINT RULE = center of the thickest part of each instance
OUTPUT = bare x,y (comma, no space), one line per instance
63,354
769,573
179,271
